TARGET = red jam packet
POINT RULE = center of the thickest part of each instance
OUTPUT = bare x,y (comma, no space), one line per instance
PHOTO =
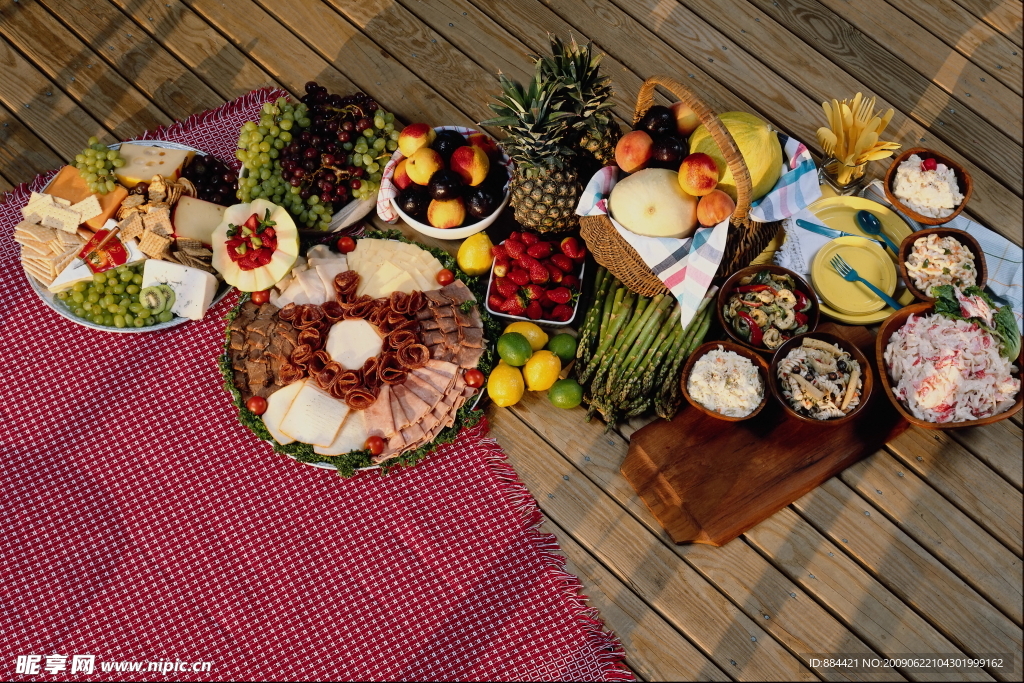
111,256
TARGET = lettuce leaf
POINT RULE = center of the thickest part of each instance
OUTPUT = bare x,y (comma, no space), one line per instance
1004,325
1006,328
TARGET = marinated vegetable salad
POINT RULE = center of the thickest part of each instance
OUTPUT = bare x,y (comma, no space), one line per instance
116,298
820,380
766,309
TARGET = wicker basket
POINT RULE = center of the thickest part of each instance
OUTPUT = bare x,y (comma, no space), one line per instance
747,238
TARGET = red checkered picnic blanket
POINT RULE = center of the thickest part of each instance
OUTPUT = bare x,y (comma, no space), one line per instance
142,523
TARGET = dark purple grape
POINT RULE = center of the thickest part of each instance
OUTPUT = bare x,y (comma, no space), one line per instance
228,178
362,124
295,182
310,153
311,86
309,165
348,126
327,159
306,193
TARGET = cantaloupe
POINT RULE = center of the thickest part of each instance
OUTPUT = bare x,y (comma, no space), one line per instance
651,203
280,262
758,144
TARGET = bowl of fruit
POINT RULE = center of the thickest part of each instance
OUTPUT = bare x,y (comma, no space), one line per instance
447,182
536,278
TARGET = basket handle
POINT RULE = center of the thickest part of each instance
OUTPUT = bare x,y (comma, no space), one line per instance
719,133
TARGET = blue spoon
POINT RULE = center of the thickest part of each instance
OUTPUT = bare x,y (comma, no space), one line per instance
870,224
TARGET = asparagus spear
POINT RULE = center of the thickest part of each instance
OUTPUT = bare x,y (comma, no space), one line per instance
588,333
606,309
652,364
625,339
615,319
624,377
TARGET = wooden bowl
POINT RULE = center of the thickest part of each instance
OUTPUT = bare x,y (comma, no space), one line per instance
813,315
893,323
965,238
746,352
963,179
867,376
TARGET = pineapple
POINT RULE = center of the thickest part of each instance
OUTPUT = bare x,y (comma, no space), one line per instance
545,186
587,94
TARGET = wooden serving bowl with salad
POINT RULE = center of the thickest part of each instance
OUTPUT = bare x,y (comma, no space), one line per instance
867,379
759,362
894,323
964,238
754,279
963,181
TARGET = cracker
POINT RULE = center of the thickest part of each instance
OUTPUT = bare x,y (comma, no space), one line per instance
159,222
188,244
187,188
131,227
157,189
38,232
88,208
56,246
152,244
36,248
61,262
133,200
69,240
34,211
201,253
39,273
62,218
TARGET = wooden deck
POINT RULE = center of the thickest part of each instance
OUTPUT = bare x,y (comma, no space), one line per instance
916,549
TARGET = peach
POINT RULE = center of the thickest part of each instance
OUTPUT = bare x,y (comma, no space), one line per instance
401,177
714,208
633,151
415,136
446,213
487,144
686,120
698,174
422,164
471,163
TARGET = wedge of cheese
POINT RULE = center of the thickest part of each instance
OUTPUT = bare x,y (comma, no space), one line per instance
314,417
351,342
278,404
69,186
195,219
351,436
142,162
193,288
403,282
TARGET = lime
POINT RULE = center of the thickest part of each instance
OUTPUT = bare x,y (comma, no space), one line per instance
564,346
514,348
538,337
541,371
505,385
565,393
474,255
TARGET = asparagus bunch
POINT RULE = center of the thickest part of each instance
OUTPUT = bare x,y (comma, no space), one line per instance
631,350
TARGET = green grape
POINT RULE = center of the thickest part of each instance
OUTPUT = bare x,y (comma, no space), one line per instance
392,145
99,278
249,126
264,146
112,308
165,316
379,122
137,279
389,117
394,135
367,159
369,133
77,297
373,167
135,307
129,320
379,144
93,298
132,289
151,320
78,311
140,322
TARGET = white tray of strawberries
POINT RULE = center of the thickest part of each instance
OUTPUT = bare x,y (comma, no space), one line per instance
537,278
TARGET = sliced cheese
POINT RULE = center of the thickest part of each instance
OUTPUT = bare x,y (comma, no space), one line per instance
327,272
313,286
195,219
402,282
278,404
314,417
351,342
384,273
193,288
422,283
142,162
351,436
294,293
68,185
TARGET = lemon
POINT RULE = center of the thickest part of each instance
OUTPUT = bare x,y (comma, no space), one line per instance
537,337
505,385
474,255
514,349
541,371
566,393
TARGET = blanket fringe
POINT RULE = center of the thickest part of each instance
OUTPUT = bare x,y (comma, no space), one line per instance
604,643
246,101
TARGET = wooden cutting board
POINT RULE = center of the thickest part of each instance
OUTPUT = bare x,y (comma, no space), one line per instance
708,481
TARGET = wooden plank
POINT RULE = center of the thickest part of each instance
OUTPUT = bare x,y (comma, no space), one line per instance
138,58
78,70
912,573
997,445
44,108
654,649
207,53
906,40
963,546
707,619
967,482
825,570
962,31
1002,15
372,68
21,151
760,590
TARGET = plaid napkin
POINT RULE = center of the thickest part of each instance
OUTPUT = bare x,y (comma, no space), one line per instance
1002,257
686,266
797,187
388,190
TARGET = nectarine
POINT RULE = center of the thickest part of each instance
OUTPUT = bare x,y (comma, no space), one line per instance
446,213
422,164
698,174
714,208
415,136
686,120
633,151
487,144
471,163
401,177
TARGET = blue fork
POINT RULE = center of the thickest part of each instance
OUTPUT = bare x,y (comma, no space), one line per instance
850,275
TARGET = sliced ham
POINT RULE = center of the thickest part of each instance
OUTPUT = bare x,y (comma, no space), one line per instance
435,379
378,416
413,435
423,389
399,419
468,357
415,407
444,368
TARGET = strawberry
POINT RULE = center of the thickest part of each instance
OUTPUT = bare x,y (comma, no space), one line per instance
505,287
555,272
561,313
517,236
929,164
546,303
514,248
519,276
563,262
560,295
500,266
571,281
264,255
533,292
499,250
526,262
570,246
534,311
540,250
581,256
514,305
495,302
539,273
530,238
253,222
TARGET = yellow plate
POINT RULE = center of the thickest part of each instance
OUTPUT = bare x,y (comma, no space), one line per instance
870,262
840,213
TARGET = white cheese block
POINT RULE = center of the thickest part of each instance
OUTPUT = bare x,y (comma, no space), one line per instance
195,219
278,404
142,162
314,417
193,288
327,272
351,342
422,283
313,286
351,436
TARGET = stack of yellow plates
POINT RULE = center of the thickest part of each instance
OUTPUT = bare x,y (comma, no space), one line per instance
870,262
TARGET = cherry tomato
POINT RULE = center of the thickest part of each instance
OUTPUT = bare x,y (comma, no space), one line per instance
375,445
346,244
260,298
474,378
257,404
445,277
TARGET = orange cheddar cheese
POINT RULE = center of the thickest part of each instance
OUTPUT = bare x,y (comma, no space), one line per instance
67,184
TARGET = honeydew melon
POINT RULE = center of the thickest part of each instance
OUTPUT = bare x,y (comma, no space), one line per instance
281,261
